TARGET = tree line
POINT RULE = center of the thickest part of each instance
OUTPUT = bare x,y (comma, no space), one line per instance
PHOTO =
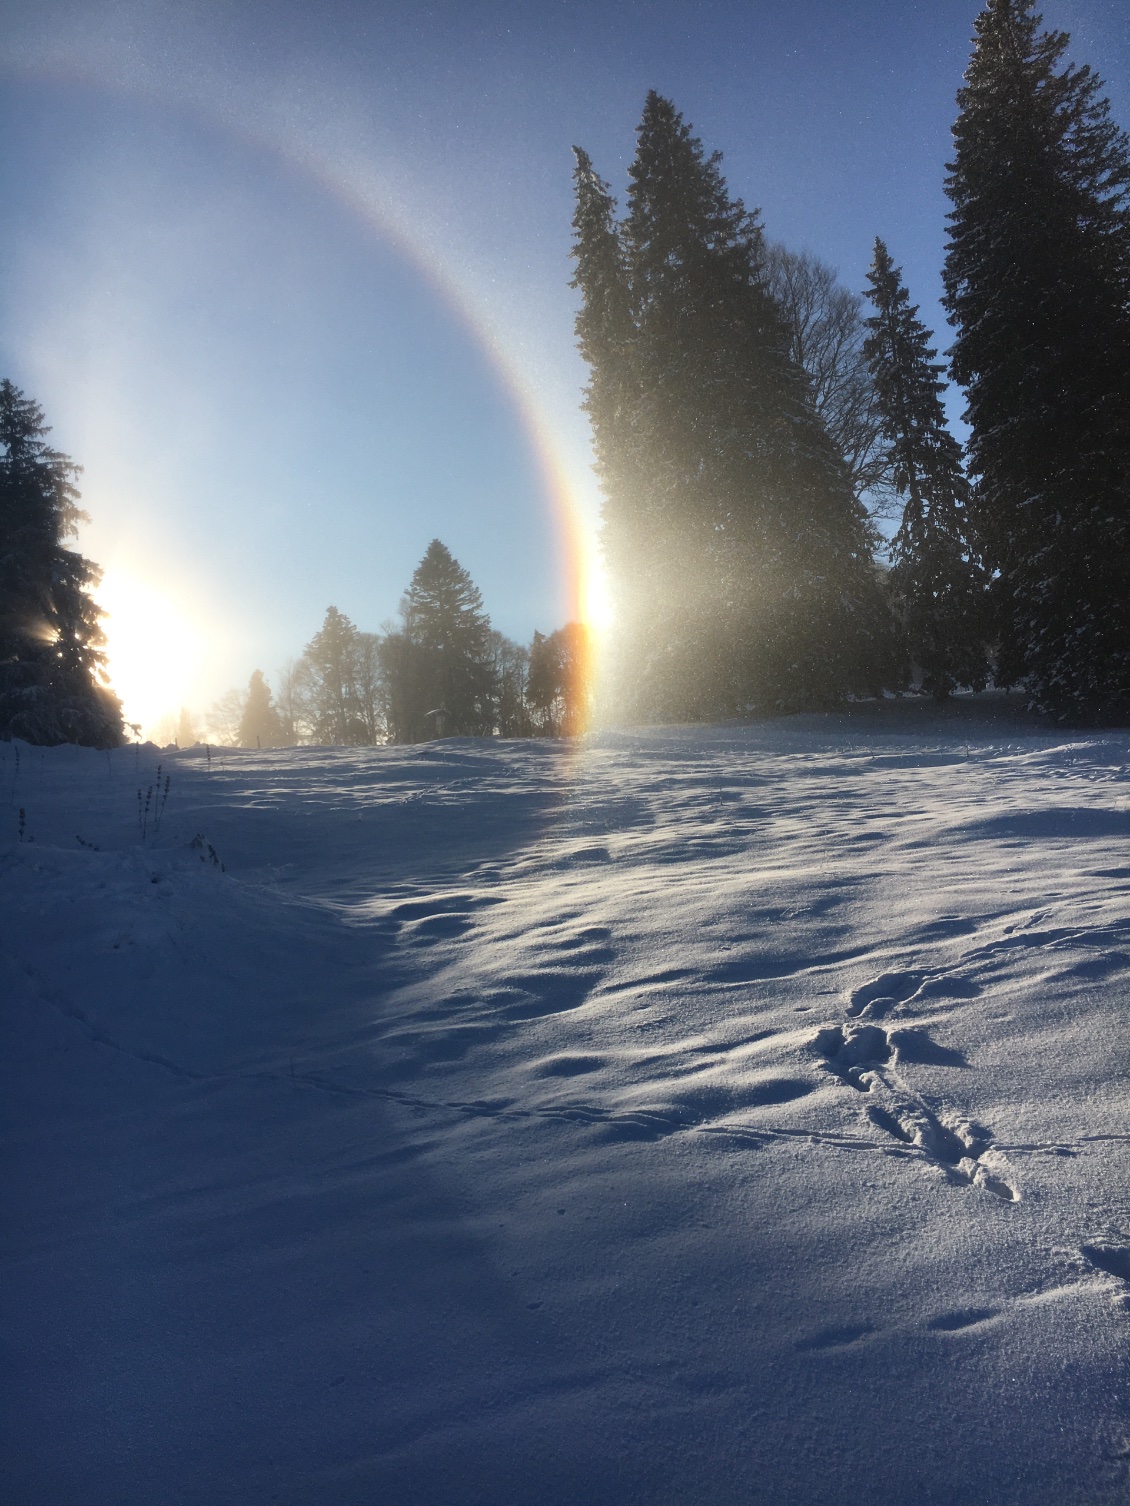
751,420
441,671
749,423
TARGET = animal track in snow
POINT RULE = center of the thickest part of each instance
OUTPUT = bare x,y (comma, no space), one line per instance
1112,1258
890,992
862,1056
853,1054
880,995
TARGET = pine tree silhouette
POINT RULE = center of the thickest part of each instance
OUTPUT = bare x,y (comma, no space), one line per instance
559,680
1037,279
739,557
940,587
259,725
52,663
331,657
447,652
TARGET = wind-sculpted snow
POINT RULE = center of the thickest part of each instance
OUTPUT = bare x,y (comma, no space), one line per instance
689,1115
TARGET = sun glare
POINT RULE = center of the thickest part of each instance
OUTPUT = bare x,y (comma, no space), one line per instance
153,650
596,602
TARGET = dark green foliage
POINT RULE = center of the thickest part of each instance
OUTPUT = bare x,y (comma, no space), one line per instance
259,726
937,584
558,684
52,665
1037,281
739,558
442,678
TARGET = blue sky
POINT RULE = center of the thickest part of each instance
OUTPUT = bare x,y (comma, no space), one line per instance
291,281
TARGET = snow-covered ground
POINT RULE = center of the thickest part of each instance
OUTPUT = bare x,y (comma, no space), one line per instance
696,1115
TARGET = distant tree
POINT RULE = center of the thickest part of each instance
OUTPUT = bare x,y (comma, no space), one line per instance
293,704
559,680
179,727
938,583
543,683
221,720
405,697
369,689
740,559
825,323
332,661
52,662
186,734
259,721
510,663
447,681
1037,279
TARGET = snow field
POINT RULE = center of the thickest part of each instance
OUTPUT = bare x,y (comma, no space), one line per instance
691,1115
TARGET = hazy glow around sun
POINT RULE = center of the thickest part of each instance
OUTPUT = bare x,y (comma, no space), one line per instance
154,652
595,598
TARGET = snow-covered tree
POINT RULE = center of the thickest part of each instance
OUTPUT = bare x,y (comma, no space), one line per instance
1037,279
52,664
938,584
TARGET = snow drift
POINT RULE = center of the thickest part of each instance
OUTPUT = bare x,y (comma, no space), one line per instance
688,1115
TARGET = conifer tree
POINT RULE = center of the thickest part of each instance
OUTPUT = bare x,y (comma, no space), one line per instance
939,586
52,663
447,663
739,557
1037,279
331,660
259,723
559,680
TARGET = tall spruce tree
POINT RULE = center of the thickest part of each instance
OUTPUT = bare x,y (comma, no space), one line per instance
52,663
740,559
446,656
938,584
1037,280
259,725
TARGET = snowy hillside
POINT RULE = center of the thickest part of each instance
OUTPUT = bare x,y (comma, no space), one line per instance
688,1116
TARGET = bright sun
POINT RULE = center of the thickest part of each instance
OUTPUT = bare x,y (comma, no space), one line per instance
596,603
153,650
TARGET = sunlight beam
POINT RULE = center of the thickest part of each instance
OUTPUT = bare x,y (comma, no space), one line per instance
153,650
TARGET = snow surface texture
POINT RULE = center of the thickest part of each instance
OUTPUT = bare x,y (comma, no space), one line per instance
696,1115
